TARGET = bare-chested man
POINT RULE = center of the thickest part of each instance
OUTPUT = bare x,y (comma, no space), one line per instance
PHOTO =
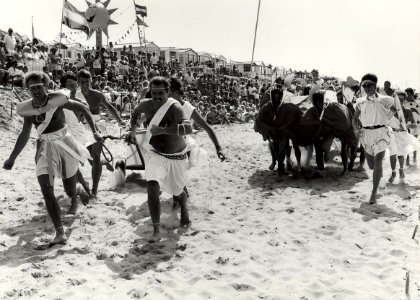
166,164
94,99
75,125
58,154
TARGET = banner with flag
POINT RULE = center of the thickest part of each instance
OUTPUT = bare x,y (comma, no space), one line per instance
141,22
141,10
74,18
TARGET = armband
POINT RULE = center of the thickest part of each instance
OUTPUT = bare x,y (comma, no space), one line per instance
134,118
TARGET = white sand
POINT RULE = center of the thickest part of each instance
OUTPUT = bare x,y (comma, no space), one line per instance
252,236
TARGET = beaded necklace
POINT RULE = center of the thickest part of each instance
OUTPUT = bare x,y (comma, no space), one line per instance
41,117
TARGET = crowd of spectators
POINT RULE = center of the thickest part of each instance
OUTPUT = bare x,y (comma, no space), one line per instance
124,77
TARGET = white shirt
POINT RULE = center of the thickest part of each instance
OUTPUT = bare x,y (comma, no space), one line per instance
374,110
154,60
13,72
10,43
188,109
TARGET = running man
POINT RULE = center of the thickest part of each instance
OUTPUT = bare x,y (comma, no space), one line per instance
166,157
58,154
94,99
371,119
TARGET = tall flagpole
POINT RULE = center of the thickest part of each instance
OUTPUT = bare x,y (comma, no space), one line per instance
144,37
137,23
61,26
255,34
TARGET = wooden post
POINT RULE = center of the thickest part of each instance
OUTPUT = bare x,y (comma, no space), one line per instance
415,231
407,284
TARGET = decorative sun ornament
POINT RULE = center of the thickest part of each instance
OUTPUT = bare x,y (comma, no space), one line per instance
98,16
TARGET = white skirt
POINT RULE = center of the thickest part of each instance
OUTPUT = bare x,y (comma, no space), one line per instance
404,143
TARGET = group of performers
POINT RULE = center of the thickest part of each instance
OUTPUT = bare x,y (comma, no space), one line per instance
68,136
375,121
61,119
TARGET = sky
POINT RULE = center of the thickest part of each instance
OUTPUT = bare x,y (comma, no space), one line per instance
337,37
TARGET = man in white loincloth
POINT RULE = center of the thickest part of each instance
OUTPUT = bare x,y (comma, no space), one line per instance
371,118
58,154
166,158
176,92
402,143
94,99
414,105
74,123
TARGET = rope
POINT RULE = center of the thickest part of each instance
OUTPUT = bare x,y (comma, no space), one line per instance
110,158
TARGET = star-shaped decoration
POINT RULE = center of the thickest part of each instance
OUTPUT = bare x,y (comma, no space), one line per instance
107,16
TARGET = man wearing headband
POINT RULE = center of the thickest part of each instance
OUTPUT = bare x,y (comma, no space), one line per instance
414,105
166,156
176,91
405,143
371,119
58,154
94,99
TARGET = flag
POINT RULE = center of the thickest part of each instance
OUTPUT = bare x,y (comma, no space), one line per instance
141,22
141,10
74,18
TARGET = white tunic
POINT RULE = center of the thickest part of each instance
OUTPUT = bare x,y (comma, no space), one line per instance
374,110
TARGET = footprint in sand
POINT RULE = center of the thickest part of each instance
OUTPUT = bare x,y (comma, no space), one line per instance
242,287
397,253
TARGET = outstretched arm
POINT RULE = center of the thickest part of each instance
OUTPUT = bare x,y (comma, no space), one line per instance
21,142
137,116
80,108
111,109
203,124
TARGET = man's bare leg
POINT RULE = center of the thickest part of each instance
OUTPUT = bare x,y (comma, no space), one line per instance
185,217
393,161
153,202
83,182
401,171
95,152
70,186
377,175
272,147
361,159
53,209
175,199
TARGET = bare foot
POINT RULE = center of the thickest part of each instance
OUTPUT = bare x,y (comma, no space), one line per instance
185,224
392,178
94,193
60,238
361,168
372,199
156,234
84,197
73,208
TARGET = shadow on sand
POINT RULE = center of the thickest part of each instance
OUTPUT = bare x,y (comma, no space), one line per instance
145,255
29,248
377,211
308,179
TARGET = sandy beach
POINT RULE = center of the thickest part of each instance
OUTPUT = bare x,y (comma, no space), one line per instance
253,236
